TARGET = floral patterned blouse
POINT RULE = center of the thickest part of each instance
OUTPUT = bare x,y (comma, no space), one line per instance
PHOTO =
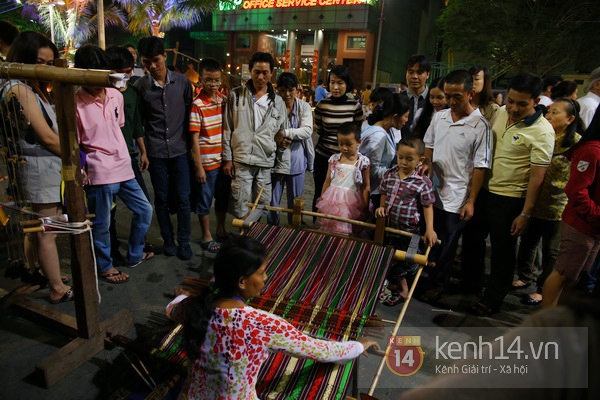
552,198
238,341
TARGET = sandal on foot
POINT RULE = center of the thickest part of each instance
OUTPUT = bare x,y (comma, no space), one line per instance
519,284
68,296
529,301
395,299
110,278
211,246
145,257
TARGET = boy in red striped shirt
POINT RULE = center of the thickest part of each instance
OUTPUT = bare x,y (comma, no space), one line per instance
206,127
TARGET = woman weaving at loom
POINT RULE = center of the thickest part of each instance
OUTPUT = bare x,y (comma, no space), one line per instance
227,341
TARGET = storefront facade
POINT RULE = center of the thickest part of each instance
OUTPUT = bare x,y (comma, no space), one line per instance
308,37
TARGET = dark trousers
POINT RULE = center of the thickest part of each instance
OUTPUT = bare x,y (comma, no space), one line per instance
448,227
549,233
473,245
222,192
320,173
501,212
172,174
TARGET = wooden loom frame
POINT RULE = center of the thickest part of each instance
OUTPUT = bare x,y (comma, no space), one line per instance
89,333
256,212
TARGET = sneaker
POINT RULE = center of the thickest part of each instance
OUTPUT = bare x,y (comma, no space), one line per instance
184,252
169,249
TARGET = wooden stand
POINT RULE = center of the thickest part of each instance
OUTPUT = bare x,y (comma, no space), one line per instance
90,334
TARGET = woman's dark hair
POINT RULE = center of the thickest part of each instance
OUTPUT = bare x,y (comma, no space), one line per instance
572,108
238,258
90,56
487,95
287,80
378,94
425,118
393,103
563,89
592,132
24,49
342,72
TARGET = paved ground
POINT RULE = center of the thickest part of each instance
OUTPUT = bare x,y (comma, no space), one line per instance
23,343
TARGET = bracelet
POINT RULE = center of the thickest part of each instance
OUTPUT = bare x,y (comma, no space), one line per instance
525,215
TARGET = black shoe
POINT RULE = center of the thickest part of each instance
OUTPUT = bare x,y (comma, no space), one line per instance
169,249
151,248
528,301
184,252
481,310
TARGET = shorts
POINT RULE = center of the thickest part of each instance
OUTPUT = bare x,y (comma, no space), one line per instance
205,192
577,252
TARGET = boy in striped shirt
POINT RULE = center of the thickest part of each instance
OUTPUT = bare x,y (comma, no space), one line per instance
206,127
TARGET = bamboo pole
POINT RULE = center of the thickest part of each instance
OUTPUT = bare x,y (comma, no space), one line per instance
238,222
67,76
398,323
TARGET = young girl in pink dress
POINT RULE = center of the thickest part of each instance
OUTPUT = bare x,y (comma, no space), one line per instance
347,188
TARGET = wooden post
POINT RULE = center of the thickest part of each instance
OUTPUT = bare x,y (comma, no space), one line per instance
82,262
297,214
91,333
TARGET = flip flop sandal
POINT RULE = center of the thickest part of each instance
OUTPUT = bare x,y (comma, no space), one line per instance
107,277
68,296
145,257
394,299
384,295
523,285
211,246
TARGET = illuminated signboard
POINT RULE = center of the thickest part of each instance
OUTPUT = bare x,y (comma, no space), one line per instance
255,4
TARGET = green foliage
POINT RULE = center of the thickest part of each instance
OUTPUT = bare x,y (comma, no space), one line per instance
75,21
150,17
24,24
539,36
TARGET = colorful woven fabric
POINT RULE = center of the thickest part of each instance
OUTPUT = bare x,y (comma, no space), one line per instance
322,285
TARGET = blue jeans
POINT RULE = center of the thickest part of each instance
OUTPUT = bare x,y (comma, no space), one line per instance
100,198
171,181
